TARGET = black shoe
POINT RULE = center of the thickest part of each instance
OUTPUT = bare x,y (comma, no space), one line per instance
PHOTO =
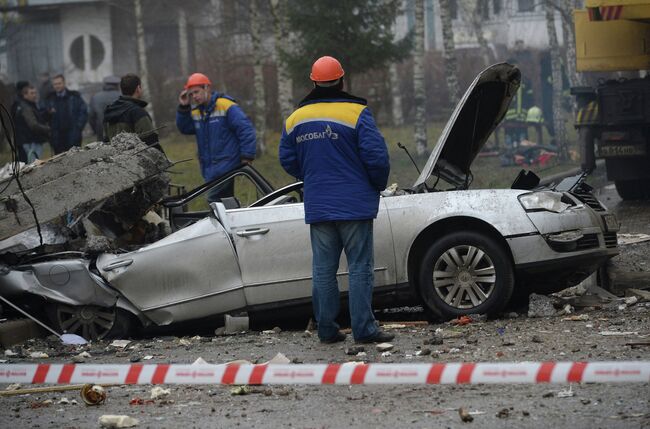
340,336
379,337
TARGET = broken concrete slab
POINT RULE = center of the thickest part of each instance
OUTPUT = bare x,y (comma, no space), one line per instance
540,306
70,185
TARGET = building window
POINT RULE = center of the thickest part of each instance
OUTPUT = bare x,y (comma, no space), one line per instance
78,52
453,9
525,5
484,9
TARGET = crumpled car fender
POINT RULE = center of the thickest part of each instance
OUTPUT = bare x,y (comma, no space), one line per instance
67,281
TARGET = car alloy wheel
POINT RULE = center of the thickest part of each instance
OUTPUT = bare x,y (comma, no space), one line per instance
90,322
464,277
465,272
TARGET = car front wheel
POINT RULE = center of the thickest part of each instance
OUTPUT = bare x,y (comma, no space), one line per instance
465,273
90,322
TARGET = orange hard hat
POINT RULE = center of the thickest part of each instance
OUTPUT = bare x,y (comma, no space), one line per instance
326,69
197,79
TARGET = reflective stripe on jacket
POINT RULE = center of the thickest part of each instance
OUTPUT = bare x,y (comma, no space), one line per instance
224,134
335,147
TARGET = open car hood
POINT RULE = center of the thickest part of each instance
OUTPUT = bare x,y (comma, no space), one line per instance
478,113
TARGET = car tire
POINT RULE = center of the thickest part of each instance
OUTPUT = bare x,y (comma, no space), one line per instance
465,264
95,323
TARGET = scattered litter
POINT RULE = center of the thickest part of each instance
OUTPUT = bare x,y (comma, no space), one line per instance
462,320
408,323
200,361
93,394
465,416
503,413
386,354
454,350
540,306
10,353
361,354
14,386
279,359
140,401
64,401
41,404
38,355
624,239
147,357
113,421
423,352
184,342
384,347
394,326
566,393
159,393
617,333
478,317
536,339
507,341
354,350
240,390
436,340
576,318
120,344
631,300
567,309
235,325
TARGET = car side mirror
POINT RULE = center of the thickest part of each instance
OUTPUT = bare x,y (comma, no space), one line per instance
219,211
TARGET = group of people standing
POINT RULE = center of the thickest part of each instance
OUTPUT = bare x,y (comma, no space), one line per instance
59,118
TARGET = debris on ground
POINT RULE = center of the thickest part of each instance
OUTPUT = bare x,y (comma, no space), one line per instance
159,393
93,394
461,321
38,355
384,347
465,416
641,295
279,359
624,239
576,318
121,344
236,325
13,386
354,350
503,413
540,306
240,390
566,393
110,421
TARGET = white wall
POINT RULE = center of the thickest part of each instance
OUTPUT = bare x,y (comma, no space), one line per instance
86,20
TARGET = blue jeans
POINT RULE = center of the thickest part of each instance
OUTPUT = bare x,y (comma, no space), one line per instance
34,151
328,239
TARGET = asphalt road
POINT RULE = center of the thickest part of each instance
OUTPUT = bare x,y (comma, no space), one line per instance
506,339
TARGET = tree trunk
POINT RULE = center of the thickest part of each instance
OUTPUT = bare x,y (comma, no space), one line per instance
258,76
396,96
556,75
472,9
281,34
451,68
183,44
568,28
142,56
420,125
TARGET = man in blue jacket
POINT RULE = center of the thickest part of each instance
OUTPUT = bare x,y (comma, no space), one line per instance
224,134
68,115
331,142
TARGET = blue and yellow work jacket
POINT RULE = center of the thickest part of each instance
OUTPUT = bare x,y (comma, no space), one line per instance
331,142
224,134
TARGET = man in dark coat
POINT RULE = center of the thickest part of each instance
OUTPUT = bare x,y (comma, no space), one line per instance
30,125
22,156
98,102
68,115
127,114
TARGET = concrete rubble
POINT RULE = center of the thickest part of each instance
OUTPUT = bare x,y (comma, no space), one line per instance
100,191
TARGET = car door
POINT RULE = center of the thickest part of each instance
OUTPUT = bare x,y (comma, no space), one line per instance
189,274
274,250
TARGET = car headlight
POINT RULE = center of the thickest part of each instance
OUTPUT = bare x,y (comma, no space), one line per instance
546,200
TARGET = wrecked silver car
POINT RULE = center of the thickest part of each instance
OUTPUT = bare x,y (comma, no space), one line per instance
453,249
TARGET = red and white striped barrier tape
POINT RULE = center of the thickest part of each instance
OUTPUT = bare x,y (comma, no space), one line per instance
374,373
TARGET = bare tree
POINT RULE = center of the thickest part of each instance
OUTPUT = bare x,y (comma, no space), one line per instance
396,96
472,10
568,28
420,125
556,75
142,54
451,66
183,44
281,33
258,75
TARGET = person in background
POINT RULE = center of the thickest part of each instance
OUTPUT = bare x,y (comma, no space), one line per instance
128,114
22,155
68,115
30,124
224,135
98,102
331,142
